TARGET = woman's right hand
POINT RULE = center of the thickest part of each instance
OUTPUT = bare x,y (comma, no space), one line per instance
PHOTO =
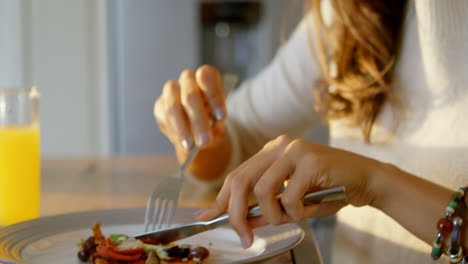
187,108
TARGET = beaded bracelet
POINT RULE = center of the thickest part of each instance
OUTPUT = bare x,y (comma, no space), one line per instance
445,225
455,252
464,260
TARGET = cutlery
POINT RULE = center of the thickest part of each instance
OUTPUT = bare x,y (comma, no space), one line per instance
168,235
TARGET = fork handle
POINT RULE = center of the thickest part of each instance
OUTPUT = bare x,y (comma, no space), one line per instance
192,154
328,195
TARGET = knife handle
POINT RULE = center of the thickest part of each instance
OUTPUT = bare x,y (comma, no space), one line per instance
328,195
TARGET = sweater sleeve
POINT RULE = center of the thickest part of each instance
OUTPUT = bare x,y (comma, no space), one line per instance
279,100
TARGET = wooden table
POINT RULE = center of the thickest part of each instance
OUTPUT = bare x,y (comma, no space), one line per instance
73,185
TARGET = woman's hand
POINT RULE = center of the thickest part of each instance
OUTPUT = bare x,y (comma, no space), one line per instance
185,113
308,167
188,106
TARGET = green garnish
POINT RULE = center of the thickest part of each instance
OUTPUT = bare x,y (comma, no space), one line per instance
118,237
79,243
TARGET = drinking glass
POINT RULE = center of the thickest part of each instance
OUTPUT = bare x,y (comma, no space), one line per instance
19,155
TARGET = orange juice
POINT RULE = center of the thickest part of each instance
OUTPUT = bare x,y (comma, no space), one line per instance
19,173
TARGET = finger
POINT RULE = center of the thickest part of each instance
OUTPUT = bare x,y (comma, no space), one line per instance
268,187
177,121
245,177
244,180
298,186
257,222
222,200
220,205
258,162
209,81
271,151
162,119
194,106
238,210
158,111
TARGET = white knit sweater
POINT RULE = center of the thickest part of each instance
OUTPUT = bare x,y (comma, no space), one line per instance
431,140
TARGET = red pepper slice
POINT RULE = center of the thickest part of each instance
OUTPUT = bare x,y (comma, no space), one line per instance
106,249
132,251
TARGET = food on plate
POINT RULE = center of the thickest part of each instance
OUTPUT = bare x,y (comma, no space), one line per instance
121,249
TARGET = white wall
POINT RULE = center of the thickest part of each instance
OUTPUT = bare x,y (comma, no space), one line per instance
153,41
15,70
69,65
61,47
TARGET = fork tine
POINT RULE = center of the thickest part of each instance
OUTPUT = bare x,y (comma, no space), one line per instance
149,210
171,213
156,213
162,214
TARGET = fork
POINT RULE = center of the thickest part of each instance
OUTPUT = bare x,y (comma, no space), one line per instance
166,193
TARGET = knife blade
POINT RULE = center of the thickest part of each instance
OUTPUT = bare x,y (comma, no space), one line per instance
172,234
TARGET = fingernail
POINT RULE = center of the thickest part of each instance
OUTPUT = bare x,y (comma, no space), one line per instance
187,143
202,139
244,243
219,113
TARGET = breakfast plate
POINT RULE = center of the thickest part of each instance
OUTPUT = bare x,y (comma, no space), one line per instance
53,239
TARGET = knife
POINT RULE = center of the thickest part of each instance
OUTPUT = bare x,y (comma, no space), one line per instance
169,235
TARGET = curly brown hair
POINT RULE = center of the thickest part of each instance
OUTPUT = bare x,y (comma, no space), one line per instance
357,54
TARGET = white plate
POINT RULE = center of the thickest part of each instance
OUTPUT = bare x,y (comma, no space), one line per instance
53,239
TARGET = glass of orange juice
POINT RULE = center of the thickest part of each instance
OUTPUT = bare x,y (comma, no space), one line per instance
19,155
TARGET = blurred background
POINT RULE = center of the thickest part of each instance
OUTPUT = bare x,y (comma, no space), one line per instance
101,64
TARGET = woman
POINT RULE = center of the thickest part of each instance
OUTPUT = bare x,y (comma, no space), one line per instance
390,77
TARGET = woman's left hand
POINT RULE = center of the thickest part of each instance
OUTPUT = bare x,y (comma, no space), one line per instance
308,167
